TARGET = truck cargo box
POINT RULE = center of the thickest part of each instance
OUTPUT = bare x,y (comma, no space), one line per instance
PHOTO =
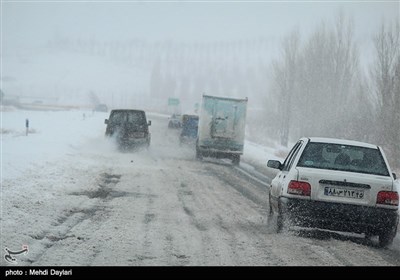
221,129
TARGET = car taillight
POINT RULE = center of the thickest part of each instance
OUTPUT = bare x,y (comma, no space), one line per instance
299,188
387,198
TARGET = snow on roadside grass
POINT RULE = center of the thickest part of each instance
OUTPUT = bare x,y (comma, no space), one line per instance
33,186
56,133
41,172
38,179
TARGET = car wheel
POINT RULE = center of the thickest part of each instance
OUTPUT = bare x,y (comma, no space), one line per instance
386,237
270,210
368,235
281,219
235,159
279,222
199,156
270,213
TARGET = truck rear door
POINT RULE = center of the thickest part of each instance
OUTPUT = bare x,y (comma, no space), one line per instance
224,119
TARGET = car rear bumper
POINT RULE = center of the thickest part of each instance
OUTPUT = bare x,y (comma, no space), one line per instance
338,216
132,141
215,153
187,139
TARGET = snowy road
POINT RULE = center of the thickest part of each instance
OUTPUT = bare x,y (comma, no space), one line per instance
97,206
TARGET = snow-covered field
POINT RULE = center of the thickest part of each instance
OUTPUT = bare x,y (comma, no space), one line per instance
57,181
53,134
40,170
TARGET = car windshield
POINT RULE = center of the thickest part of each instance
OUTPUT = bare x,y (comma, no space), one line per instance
343,158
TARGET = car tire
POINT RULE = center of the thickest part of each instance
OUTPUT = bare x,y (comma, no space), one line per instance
199,155
386,237
235,159
270,213
281,219
270,210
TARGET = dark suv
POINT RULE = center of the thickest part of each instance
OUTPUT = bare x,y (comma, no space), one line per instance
130,127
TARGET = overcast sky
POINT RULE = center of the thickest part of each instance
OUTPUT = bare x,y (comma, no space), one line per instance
27,23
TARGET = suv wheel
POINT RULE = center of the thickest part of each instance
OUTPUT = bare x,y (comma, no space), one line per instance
235,159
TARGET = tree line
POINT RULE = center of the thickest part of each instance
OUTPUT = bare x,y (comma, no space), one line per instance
323,90
315,85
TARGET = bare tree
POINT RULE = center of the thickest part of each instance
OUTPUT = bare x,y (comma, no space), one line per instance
344,58
285,72
385,74
396,118
156,79
94,99
326,82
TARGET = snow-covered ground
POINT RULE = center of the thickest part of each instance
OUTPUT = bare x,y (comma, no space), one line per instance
53,179
44,167
53,134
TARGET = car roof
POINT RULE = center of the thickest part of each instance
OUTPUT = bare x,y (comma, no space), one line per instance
340,141
127,110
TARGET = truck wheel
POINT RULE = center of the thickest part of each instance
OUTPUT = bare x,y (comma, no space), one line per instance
235,159
199,156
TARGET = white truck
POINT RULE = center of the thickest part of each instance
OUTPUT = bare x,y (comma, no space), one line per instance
221,128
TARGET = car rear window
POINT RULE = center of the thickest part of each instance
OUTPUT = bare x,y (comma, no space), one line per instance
128,116
344,158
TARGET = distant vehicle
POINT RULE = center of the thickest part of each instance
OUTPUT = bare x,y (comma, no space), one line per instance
175,121
190,125
221,130
101,108
338,185
130,127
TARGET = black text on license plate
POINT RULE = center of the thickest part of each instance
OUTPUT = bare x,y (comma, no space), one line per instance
330,191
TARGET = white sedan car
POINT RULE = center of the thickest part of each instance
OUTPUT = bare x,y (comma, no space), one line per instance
338,185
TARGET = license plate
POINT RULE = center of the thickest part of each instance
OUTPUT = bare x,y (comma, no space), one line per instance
138,134
330,191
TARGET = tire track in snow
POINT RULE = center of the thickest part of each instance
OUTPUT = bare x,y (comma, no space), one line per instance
318,252
60,229
224,211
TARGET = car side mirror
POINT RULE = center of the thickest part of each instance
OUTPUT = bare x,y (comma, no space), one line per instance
106,121
394,176
149,123
276,164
